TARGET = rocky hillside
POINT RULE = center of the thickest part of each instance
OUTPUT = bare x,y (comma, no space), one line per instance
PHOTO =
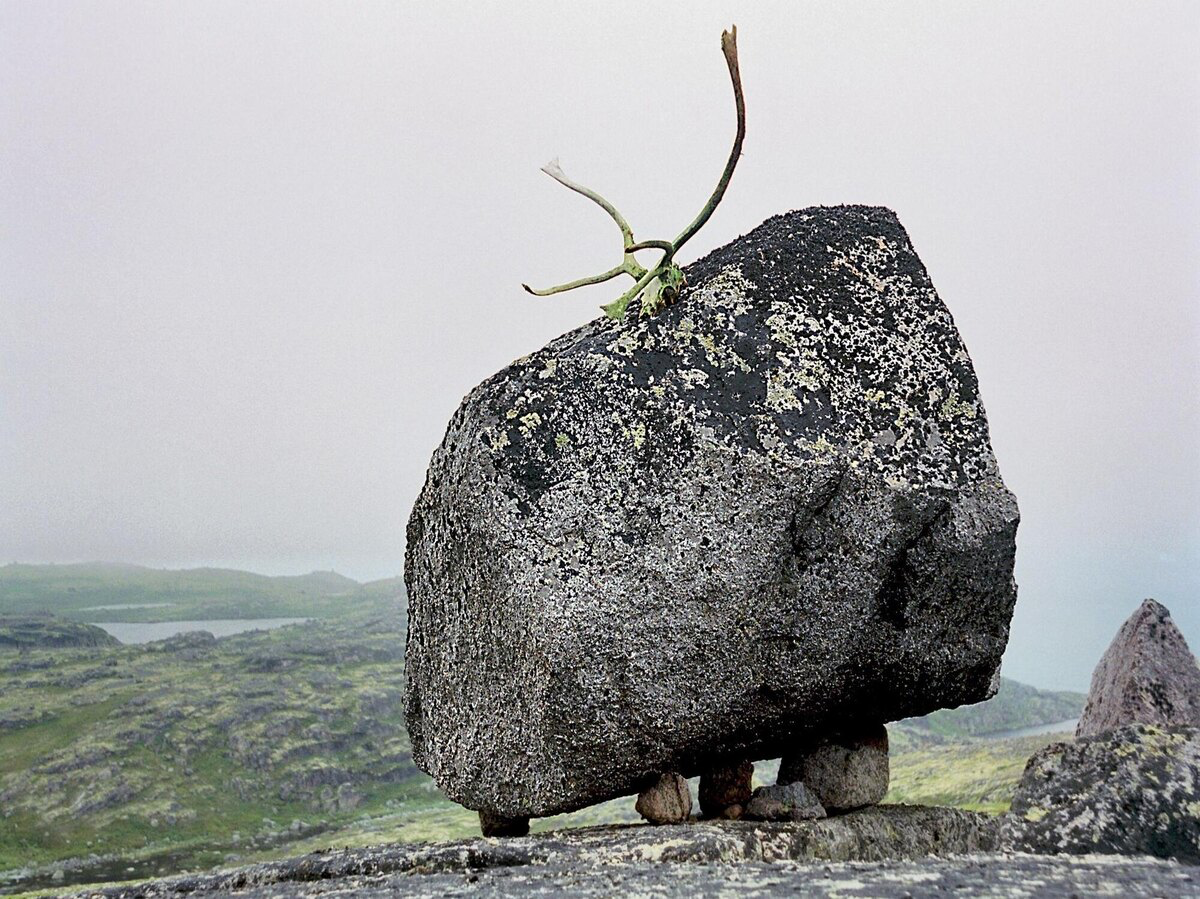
192,752
190,741
45,631
1014,707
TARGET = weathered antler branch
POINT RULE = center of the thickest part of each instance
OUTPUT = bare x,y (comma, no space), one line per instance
729,48
661,283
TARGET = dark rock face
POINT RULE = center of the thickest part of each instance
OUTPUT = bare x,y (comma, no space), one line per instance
724,786
1134,791
784,802
498,826
846,771
1147,676
769,511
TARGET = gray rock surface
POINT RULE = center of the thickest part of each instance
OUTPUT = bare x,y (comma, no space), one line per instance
709,859
655,544
783,802
846,771
883,832
1134,790
667,801
1147,676
724,786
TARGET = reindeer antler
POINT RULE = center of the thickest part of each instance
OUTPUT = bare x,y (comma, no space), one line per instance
661,282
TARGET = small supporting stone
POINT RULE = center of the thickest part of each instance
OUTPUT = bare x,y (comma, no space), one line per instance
783,802
846,771
494,825
667,801
725,785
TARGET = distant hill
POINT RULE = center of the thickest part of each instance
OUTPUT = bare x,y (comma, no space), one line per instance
1014,707
102,591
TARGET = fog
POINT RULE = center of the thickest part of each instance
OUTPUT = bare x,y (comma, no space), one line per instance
253,255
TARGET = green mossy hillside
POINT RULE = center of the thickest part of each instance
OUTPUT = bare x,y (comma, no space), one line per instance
192,740
102,591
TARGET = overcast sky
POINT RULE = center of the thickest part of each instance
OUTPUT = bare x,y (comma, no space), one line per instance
253,255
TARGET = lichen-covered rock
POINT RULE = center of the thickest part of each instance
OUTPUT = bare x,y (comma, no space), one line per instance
1133,791
1147,676
725,785
783,802
667,801
769,511
681,860
846,770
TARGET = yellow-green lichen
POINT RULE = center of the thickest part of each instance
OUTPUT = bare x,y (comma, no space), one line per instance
954,407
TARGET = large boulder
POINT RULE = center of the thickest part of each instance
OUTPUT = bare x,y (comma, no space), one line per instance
1130,791
1148,676
658,544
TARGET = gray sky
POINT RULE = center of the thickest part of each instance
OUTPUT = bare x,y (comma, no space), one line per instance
253,255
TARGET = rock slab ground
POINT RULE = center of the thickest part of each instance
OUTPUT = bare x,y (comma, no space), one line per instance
662,543
709,859
1134,790
1148,675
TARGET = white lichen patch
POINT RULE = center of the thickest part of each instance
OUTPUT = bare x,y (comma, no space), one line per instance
529,421
497,439
728,289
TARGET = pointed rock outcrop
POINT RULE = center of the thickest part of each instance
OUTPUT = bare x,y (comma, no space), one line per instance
1147,676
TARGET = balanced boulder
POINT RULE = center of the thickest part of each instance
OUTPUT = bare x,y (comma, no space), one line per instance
1147,676
656,544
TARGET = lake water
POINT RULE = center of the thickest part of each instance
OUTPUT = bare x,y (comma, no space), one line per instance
127,605
148,631
1056,727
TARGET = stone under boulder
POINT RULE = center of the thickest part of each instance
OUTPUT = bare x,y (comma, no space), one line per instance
725,786
784,802
491,825
1133,791
1147,676
667,801
846,771
769,512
